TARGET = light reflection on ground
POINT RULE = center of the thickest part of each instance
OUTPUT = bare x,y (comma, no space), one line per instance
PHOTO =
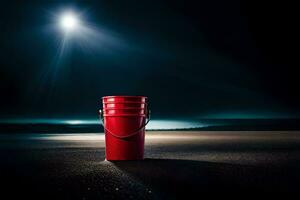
243,147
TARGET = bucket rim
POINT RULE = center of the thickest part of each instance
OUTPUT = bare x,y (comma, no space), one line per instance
124,115
124,102
130,108
126,96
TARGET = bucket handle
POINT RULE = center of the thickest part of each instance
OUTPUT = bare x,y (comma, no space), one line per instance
126,136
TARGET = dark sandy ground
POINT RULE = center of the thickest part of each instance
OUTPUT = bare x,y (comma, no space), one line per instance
177,166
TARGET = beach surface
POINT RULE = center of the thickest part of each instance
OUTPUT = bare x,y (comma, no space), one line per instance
178,164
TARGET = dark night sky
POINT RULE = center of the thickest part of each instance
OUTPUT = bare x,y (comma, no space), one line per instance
193,59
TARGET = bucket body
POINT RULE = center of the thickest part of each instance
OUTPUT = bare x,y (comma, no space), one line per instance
124,127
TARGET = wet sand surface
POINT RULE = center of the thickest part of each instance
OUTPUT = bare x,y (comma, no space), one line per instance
177,165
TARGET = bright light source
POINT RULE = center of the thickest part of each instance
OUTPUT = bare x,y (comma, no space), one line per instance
69,21
73,30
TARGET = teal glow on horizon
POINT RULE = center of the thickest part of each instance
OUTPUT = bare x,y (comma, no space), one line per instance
247,115
153,124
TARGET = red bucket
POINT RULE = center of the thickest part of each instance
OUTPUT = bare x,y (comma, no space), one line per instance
124,127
